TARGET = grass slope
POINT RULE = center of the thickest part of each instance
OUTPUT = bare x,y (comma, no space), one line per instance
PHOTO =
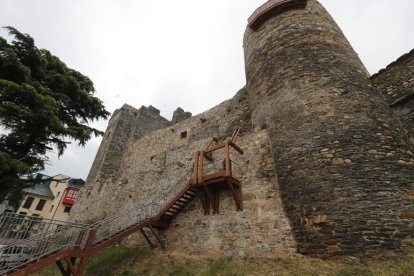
123,261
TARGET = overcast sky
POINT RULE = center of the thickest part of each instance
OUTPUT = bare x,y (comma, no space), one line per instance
185,53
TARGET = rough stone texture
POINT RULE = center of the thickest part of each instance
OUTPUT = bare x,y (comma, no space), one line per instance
343,160
180,115
261,229
152,164
126,124
396,85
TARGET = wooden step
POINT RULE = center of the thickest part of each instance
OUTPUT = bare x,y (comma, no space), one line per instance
187,196
177,209
191,192
183,200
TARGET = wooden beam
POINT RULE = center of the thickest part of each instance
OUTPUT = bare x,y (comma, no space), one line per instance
217,199
203,199
60,266
87,251
146,237
201,168
120,236
206,178
235,134
70,266
228,170
196,160
79,239
216,147
210,198
173,201
240,196
236,147
53,258
68,272
156,236
234,193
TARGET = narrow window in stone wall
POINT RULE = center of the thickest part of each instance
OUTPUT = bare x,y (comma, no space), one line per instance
51,208
183,134
100,187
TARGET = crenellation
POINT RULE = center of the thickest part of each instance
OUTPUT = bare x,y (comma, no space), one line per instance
180,115
395,85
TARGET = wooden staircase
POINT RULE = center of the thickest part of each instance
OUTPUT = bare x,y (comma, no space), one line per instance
105,233
179,203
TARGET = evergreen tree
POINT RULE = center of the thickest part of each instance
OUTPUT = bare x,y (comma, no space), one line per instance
43,104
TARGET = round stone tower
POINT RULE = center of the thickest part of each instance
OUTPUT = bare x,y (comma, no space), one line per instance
344,163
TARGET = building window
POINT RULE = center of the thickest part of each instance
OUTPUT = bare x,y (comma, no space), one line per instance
72,194
58,194
28,202
51,208
40,205
67,209
23,213
35,215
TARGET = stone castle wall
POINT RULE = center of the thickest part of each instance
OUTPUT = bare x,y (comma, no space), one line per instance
396,85
126,124
328,168
344,163
152,164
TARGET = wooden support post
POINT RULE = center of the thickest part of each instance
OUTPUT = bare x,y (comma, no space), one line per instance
156,236
217,199
209,199
79,239
228,171
68,272
60,266
240,197
196,160
147,238
201,168
87,249
234,193
205,203
213,200
71,267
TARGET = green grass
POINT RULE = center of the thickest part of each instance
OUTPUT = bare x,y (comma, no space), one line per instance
125,261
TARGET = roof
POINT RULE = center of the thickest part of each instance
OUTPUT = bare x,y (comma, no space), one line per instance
41,189
76,183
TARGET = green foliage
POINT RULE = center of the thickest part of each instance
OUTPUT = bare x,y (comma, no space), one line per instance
43,104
